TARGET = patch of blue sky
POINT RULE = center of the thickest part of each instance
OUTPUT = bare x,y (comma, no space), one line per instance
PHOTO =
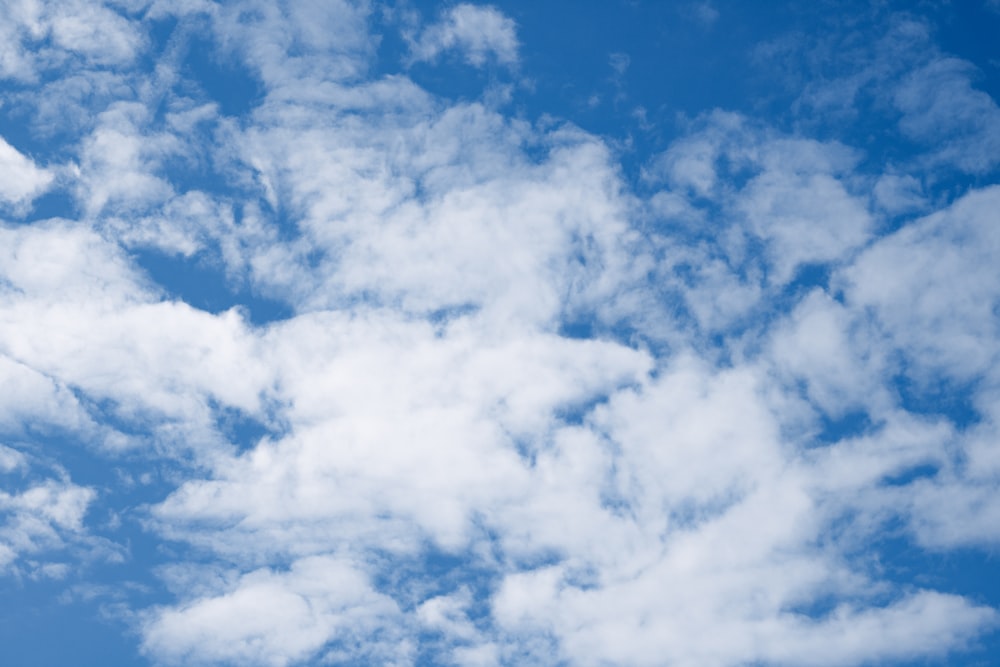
202,282
80,614
833,429
56,204
939,395
219,75
16,131
42,625
446,573
964,571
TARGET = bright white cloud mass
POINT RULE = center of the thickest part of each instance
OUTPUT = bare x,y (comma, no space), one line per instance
364,333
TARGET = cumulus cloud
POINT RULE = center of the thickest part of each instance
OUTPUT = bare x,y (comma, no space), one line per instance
78,318
278,618
516,409
749,209
478,33
21,180
933,285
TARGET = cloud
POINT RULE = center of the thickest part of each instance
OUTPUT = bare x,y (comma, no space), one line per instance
686,496
331,39
931,285
10,459
40,36
489,228
79,317
892,69
899,194
479,33
824,346
941,108
418,470
119,162
37,400
848,637
21,180
747,209
41,517
517,409
277,618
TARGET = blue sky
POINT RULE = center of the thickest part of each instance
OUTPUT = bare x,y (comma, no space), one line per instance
405,333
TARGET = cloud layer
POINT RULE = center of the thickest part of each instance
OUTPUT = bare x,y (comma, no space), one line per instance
470,394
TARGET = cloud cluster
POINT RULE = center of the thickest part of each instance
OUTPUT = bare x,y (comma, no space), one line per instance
518,412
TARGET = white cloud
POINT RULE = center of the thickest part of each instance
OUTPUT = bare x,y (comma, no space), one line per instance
70,103
942,109
966,488
689,632
489,228
897,194
97,32
800,207
185,225
893,70
477,32
10,459
619,62
119,162
744,208
936,506
277,618
842,368
654,493
686,488
430,402
41,35
459,406
32,398
448,614
690,162
41,517
728,531
21,180
76,311
933,285
330,39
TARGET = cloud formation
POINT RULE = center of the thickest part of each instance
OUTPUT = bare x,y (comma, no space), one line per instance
477,33
513,406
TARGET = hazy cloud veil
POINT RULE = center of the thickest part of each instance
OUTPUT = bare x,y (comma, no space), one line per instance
320,345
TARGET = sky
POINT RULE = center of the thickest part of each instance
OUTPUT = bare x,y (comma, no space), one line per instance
631,333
